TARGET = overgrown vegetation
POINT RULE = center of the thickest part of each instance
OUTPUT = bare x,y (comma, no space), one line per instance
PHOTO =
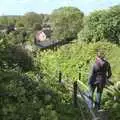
69,58
102,25
25,94
29,87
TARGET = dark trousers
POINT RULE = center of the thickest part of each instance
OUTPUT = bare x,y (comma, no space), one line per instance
98,94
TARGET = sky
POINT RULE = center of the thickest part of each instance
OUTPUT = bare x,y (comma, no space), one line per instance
20,7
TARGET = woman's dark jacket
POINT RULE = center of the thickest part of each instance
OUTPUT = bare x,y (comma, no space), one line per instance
101,72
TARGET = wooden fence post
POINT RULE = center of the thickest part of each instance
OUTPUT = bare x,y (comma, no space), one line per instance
79,75
79,72
60,76
75,94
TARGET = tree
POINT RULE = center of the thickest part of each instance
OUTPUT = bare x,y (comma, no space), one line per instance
102,25
13,54
37,26
46,18
8,20
31,18
66,22
4,20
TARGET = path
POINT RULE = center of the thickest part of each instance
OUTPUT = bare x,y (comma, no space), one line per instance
96,115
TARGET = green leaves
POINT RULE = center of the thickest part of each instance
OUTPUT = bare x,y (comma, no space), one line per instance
66,22
112,97
31,18
102,25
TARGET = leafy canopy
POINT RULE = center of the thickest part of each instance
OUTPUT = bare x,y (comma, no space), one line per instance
66,22
102,25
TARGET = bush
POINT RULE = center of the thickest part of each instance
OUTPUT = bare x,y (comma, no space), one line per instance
102,25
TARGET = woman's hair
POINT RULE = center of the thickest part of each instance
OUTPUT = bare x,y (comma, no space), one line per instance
100,53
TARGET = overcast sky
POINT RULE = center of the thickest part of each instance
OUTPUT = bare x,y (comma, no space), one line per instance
20,7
